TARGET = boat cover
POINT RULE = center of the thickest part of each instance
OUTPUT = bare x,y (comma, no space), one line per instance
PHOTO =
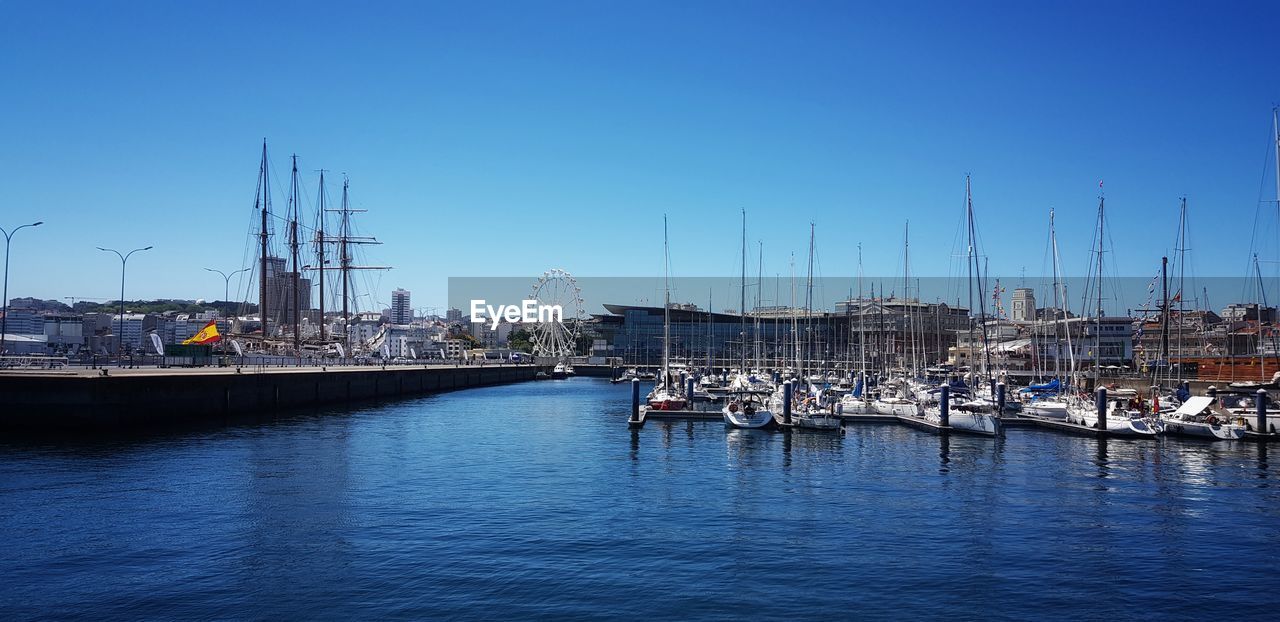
1194,405
1052,385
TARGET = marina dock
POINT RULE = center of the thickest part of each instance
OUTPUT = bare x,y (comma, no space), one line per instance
121,398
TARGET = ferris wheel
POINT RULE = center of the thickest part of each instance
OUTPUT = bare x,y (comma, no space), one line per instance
557,338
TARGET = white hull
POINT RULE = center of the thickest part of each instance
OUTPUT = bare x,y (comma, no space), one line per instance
1046,409
740,419
1200,429
855,406
1119,425
964,421
894,407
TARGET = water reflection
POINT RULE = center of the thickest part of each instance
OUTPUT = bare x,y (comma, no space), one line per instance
1101,461
944,453
1262,462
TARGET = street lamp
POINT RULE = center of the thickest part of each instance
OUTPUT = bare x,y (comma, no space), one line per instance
226,285
124,261
4,321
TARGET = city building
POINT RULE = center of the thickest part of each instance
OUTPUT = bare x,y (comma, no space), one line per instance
281,287
883,333
1024,305
401,312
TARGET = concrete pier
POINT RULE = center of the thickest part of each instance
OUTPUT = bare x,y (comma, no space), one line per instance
75,400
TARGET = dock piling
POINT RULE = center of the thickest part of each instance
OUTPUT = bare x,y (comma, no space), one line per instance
944,406
1000,390
688,388
1102,408
635,400
1261,407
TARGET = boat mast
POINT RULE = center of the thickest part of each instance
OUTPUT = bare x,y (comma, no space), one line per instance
908,316
344,262
1262,295
742,312
1164,315
1097,325
1057,304
666,309
808,304
264,205
1182,278
320,242
296,275
756,342
862,317
711,330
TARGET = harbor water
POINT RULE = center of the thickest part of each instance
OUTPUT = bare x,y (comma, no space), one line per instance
535,500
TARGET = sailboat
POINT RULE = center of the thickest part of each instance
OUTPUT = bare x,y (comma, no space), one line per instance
665,395
856,402
817,410
897,396
746,408
1121,420
977,416
1044,397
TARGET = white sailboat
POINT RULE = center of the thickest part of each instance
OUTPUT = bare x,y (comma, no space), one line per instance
816,411
666,395
978,416
856,402
1121,419
746,407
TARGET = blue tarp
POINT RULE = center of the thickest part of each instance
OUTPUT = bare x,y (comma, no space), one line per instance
1053,386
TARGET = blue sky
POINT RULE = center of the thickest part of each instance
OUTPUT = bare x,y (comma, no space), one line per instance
506,138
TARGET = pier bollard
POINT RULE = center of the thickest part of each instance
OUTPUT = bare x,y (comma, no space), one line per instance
1261,407
1000,400
688,389
786,402
635,399
1102,408
944,406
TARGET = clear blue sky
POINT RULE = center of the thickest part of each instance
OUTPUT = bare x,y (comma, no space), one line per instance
505,138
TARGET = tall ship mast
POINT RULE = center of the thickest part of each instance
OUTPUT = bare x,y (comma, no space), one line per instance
262,203
345,241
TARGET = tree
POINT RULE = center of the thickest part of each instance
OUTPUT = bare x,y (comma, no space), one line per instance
521,340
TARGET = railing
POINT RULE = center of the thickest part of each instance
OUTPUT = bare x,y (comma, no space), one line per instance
32,361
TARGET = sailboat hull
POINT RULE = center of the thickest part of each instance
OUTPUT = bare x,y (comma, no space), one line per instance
1200,429
901,409
1046,409
762,418
824,421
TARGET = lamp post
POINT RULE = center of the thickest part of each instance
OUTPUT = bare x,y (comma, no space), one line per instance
4,321
124,261
226,281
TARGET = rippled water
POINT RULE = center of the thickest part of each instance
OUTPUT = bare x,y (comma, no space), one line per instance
535,500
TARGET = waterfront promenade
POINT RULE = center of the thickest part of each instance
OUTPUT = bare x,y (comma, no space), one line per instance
119,398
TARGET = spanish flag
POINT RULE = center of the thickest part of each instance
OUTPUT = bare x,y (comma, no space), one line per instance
208,334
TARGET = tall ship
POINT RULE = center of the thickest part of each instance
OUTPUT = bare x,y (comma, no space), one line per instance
289,264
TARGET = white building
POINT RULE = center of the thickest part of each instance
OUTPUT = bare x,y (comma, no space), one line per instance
1024,305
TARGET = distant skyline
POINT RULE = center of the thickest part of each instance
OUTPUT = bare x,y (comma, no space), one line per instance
509,138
